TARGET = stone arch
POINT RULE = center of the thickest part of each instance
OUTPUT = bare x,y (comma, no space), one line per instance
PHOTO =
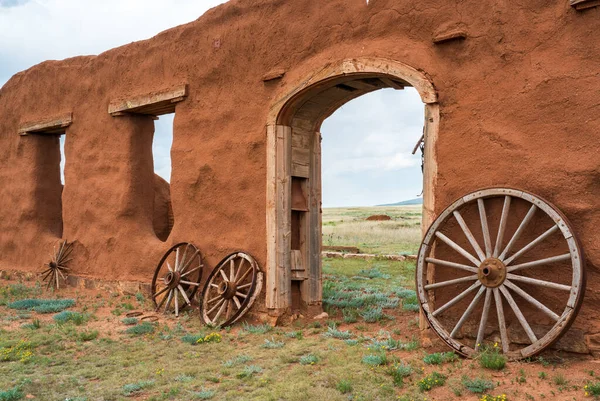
294,171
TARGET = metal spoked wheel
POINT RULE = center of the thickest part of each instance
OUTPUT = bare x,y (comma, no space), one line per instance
511,249
177,278
230,290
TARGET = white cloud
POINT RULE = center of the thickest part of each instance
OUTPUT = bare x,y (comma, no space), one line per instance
366,143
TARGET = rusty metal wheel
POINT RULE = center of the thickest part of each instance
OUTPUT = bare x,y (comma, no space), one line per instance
177,278
230,290
510,247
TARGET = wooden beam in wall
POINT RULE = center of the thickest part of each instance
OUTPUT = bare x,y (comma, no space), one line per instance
155,103
52,125
584,4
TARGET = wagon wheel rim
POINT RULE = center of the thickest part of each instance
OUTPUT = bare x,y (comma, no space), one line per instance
230,290
493,271
177,278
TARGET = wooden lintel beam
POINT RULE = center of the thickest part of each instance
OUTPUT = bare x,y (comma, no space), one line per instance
391,83
52,125
584,4
449,36
155,100
361,85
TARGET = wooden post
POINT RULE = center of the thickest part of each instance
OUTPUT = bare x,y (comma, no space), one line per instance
432,123
279,192
313,285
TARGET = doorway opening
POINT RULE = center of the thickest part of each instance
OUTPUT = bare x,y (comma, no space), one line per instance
162,220
294,181
372,174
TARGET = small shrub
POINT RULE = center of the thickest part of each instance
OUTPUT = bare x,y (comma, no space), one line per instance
477,386
13,394
238,360
344,386
42,305
34,325
373,273
405,293
130,389
350,315
184,378
375,359
542,375
272,344
130,321
294,334
141,329
203,394
22,352
491,358
140,297
309,359
87,335
210,338
249,371
501,397
592,389
372,315
430,381
333,332
69,316
257,329
192,338
560,380
440,357
400,371
351,342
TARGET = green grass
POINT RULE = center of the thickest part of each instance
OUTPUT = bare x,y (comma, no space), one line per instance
42,305
375,359
491,358
440,357
399,372
13,394
141,329
70,317
344,386
430,381
272,344
309,359
477,386
133,388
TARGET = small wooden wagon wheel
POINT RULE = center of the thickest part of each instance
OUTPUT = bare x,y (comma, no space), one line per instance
58,265
508,248
177,278
230,289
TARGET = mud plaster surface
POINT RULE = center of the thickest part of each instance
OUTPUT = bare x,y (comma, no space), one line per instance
518,101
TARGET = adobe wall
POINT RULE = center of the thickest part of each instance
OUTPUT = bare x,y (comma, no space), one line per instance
518,101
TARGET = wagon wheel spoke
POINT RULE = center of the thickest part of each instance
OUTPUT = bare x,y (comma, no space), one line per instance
457,248
519,231
449,297
456,299
532,244
168,281
450,282
532,300
484,317
501,320
230,290
519,314
540,262
484,228
469,234
468,312
541,283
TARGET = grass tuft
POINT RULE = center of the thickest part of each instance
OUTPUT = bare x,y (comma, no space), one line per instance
309,359
272,344
130,321
203,394
440,357
430,381
70,317
491,358
344,386
13,394
249,371
375,359
42,305
333,332
238,360
477,386
133,388
256,329
141,329
400,371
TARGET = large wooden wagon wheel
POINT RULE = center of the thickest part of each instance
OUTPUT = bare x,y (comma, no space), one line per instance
230,290
177,278
508,248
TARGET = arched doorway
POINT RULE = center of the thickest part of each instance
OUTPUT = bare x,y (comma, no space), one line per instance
294,167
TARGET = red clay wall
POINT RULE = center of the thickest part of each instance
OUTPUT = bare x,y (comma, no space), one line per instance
519,105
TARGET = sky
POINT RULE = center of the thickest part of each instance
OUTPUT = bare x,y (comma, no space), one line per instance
367,143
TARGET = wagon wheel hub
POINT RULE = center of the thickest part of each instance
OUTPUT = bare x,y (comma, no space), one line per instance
492,272
227,289
172,279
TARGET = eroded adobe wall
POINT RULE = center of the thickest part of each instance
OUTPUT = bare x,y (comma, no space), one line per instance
518,98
